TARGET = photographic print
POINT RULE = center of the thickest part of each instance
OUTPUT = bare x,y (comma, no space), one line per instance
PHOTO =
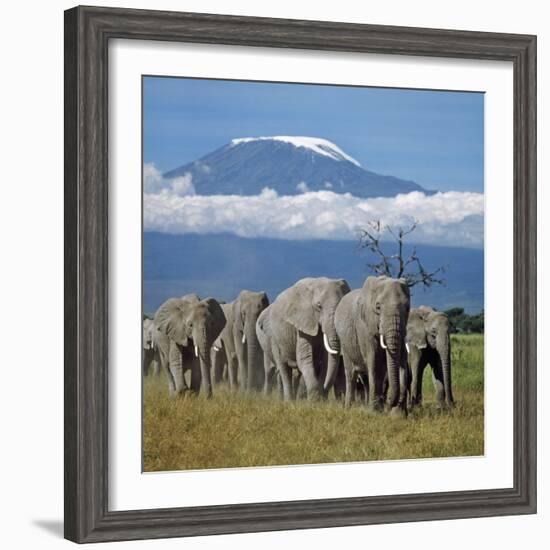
313,273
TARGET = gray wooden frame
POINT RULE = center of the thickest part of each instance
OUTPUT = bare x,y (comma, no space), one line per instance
87,34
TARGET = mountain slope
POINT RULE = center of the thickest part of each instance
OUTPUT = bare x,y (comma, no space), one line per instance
222,265
290,165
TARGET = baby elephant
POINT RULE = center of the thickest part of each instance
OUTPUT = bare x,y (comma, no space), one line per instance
429,342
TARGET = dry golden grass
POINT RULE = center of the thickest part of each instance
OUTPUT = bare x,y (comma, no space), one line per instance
234,430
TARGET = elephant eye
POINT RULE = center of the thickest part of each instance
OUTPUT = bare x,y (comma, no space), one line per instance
318,305
377,307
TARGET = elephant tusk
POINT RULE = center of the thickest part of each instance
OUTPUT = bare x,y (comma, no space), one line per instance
407,346
423,346
382,342
216,348
244,338
327,346
196,351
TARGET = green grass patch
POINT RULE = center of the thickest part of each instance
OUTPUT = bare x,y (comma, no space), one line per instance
235,430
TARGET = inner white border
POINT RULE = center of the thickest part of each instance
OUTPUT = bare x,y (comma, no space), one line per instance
128,487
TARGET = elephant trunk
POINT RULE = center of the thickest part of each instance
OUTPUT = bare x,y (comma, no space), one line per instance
254,355
391,341
203,345
332,371
443,347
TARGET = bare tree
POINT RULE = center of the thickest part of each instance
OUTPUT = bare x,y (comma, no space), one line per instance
397,265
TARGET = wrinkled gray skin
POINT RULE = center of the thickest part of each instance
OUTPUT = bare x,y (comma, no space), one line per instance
224,348
246,310
367,320
302,326
219,363
263,331
150,352
429,343
188,328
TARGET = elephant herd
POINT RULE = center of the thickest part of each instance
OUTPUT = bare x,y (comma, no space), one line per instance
317,336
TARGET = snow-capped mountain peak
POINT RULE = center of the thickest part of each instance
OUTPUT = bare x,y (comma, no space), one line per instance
289,165
317,145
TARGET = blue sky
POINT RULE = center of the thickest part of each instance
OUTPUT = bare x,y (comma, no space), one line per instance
433,138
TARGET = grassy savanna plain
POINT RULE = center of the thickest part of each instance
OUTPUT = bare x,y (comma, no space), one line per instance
241,430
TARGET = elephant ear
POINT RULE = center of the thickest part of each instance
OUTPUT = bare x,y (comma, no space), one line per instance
264,299
300,311
228,312
216,314
405,284
170,320
343,284
416,333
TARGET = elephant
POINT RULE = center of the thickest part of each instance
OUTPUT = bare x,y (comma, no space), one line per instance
224,348
150,353
301,321
371,324
428,342
188,327
245,312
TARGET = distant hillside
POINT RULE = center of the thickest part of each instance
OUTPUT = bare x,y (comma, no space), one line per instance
290,165
222,265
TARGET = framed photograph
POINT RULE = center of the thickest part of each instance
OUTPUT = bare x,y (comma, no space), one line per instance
300,274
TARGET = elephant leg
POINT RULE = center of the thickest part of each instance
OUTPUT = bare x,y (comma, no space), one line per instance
418,364
296,377
175,360
268,372
340,383
206,381
284,373
350,378
156,366
279,384
305,362
232,368
301,389
195,382
218,365
145,363
364,385
403,385
375,374
163,362
439,387
148,355
241,358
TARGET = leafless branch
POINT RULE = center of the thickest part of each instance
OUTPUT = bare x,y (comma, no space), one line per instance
397,265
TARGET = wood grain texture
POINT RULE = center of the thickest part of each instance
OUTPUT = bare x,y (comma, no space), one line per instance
87,34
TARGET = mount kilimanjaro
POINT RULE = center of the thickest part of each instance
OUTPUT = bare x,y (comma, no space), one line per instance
290,165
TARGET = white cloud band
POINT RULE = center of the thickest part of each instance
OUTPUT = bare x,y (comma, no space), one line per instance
154,182
448,219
